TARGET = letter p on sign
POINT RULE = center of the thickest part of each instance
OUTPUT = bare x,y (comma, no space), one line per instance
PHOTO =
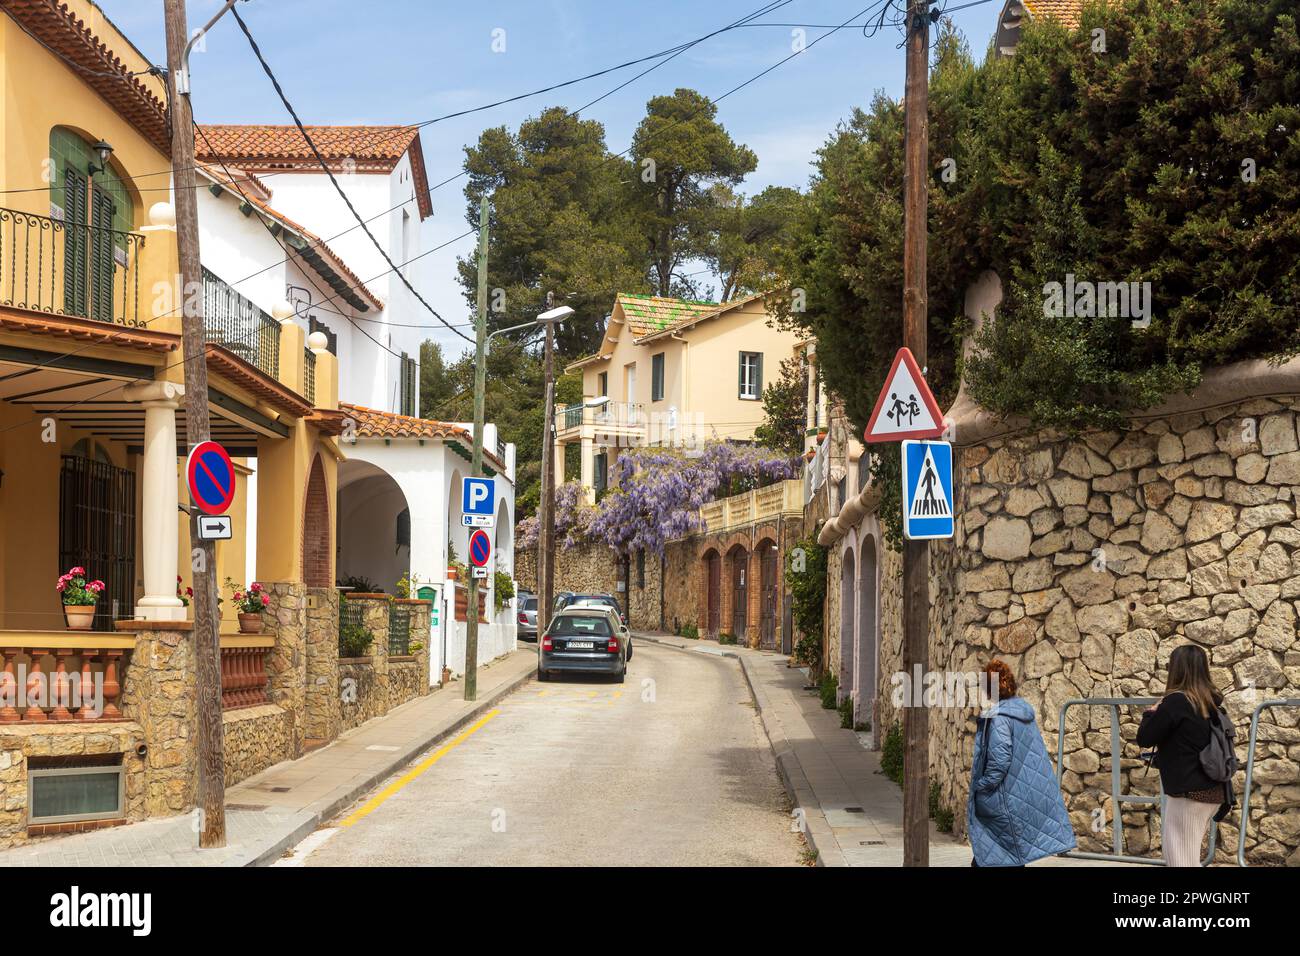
477,496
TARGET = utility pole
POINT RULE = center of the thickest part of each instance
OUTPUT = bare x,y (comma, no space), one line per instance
916,554
546,535
207,650
480,384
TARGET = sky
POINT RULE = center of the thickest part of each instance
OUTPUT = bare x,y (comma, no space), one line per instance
404,61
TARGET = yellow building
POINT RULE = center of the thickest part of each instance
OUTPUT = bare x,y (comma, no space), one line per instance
92,422
672,372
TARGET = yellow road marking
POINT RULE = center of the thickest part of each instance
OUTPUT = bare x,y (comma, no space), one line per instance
378,799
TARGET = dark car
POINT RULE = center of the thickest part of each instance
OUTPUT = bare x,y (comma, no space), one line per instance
588,640
606,600
526,616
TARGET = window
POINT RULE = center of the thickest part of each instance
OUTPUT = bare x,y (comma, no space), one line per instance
62,792
407,387
603,379
657,377
751,375
600,478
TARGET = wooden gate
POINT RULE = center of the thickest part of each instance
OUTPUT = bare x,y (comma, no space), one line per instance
740,591
767,608
713,569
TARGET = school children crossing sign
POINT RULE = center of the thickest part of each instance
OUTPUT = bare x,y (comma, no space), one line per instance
927,490
906,408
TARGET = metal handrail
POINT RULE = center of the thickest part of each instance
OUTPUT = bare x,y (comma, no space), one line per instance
1117,799
1250,771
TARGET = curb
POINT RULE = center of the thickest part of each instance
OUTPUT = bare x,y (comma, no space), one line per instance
320,814
787,764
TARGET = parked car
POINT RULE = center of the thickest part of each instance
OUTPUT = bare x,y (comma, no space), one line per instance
588,640
526,616
598,600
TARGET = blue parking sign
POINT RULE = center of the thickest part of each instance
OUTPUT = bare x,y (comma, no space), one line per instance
927,490
477,496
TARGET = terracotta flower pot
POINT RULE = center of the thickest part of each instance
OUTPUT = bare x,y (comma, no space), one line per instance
79,617
250,623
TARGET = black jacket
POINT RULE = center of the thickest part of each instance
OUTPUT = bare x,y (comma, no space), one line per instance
1179,734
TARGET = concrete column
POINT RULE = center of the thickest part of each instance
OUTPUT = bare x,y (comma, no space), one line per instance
558,464
160,494
589,469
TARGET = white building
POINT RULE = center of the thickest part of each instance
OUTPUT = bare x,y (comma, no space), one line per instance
399,485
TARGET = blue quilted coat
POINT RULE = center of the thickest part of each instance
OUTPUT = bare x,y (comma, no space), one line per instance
1015,814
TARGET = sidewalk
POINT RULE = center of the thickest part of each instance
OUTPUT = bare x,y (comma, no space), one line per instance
853,813
272,811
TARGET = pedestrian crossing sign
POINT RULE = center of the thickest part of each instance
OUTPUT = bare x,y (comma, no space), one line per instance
927,490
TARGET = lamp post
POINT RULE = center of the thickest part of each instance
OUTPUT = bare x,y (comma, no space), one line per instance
546,524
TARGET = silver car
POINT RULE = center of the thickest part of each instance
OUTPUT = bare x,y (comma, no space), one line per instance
526,616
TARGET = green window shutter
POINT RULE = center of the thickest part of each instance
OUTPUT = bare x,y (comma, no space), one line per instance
75,246
740,378
758,374
102,266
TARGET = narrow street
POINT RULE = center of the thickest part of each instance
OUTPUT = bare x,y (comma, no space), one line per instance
668,769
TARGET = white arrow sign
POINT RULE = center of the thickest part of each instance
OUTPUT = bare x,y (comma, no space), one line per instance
215,527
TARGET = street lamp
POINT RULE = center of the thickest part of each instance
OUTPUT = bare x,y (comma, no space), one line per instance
103,150
546,520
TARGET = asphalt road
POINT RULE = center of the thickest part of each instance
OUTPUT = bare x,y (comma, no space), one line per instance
669,769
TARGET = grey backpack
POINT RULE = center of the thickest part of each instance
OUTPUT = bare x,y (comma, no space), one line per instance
1218,758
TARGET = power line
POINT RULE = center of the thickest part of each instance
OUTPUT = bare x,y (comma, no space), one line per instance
266,67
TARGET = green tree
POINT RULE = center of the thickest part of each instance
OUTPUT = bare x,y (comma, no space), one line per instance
744,239
785,403
682,152
561,221
435,385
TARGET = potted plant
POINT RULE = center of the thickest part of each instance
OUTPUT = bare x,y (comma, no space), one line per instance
78,598
250,602
183,595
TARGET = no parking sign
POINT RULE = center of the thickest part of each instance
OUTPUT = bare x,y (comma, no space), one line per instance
211,478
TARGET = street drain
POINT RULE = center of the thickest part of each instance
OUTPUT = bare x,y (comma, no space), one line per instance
280,789
871,843
854,810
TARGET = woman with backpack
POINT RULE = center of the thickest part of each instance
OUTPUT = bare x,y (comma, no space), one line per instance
1190,733
1015,814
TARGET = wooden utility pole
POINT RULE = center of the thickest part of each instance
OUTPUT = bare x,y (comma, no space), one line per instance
207,650
546,529
916,554
476,466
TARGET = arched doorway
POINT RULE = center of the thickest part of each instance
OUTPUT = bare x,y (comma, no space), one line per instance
767,608
866,680
848,595
317,566
739,559
374,528
712,592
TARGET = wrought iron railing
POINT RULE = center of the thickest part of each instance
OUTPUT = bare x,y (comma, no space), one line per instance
309,375
69,268
399,629
352,618
235,323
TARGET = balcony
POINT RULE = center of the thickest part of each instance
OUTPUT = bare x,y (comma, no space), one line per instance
598,418
235,323
68,268
784,497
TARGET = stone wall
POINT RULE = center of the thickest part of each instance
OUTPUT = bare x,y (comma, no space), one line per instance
255,738
321,720
158,694
286,664
359,698
1084,562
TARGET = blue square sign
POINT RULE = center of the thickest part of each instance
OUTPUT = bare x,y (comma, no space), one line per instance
477,496
927,490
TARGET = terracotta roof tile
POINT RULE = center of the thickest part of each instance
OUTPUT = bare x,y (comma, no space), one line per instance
279,147
646,314
1067,11
373,423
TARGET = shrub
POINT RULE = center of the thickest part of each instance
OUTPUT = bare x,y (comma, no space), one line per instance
355,640
846,712
829,690
891,754
725,638
503,589
939,813
805,576
691,632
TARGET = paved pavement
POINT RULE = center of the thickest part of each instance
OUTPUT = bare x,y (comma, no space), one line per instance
670,768
853,813
274,810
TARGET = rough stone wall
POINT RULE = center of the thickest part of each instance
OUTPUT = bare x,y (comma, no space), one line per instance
403,681
255,738
158,694
321,720
359,699
1084,562
683,586
643,600
286,664
21,742
587,569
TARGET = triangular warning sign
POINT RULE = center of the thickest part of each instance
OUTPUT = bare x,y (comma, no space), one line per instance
928,498
905,408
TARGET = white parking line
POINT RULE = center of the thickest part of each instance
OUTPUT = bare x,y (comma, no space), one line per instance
310,844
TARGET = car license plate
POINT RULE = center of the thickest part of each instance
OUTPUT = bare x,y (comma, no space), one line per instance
580,645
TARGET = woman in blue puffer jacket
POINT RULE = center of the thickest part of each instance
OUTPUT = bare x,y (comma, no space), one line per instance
1015,814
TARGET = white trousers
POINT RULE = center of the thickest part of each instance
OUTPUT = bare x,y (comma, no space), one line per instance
1183,829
